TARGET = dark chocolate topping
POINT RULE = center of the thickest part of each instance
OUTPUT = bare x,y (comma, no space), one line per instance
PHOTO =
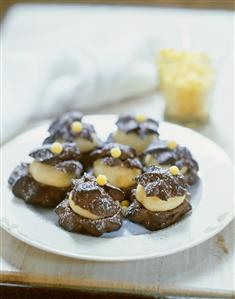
114,192
128,155
71,221
70,166
19,171
160,182
64,121
45,155
61,129
156,220
180,156
87,194
128,124
24,186
129,163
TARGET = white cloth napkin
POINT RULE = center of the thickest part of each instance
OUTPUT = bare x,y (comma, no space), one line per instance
60,57
49,68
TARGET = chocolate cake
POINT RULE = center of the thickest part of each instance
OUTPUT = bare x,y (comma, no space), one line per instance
118,162
70,128
92,207
160,198
137,124
127,157
167,153
136,131
46,180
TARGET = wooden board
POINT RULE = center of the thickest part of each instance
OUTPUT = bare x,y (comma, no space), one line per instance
201,4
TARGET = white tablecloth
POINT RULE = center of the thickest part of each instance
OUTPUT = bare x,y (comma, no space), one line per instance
58,57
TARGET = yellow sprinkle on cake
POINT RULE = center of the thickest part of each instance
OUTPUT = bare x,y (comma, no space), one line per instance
140,118
76,127
56,148
115,152
174,170
101,180
171,144
125,203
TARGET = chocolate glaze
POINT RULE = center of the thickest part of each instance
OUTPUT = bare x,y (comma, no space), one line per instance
114,192
160,182
87,194
72,222
128,157
64,121
180,156
61,128
155,220
66,161
128,124
70,166
24,186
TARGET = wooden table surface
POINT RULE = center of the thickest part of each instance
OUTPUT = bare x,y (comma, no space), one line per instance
202,4
206,270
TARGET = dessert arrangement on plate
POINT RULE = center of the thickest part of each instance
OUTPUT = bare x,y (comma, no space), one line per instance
93,185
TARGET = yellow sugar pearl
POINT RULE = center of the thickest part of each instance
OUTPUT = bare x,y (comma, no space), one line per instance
171,144
76,127
174,170
140,118
56,148
115,152
101,180
125,203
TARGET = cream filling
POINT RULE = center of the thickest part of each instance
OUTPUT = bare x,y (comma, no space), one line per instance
133,140
85,145
82,212
184,170
119,176
155,204
48,175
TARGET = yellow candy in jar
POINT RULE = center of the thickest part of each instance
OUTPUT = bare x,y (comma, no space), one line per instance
186,80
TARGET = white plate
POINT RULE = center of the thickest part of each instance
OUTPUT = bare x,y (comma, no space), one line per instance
212,202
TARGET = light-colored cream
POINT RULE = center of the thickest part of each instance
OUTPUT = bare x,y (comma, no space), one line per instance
82,212
184,170
133,140
155,204
119,176
85,145
48,175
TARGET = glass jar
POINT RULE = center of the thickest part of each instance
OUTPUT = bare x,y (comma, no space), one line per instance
186,81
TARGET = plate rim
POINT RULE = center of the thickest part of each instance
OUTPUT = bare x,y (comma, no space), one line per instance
196,242
114,259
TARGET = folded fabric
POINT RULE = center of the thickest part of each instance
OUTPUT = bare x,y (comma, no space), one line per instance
46,72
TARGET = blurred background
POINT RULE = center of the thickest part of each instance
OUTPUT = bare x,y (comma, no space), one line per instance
104,57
